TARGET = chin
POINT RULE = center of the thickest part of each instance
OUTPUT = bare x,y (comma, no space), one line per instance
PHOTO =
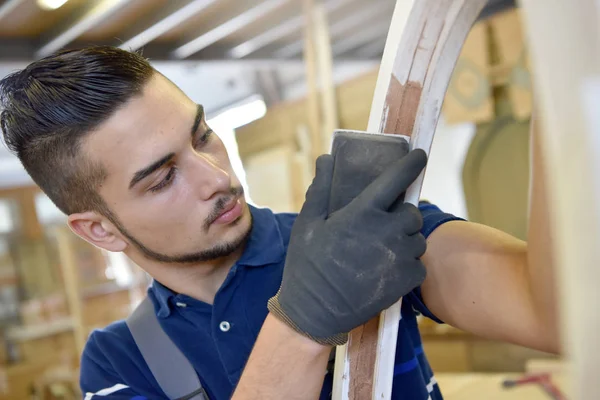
241,224
239,230
235,230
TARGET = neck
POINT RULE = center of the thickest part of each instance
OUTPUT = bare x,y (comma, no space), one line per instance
200,281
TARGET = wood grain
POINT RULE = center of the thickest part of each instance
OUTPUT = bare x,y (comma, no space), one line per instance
362,345
403,104
423,45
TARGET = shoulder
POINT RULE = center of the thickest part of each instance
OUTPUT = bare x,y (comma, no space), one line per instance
103,342
112,360
104,351
433,217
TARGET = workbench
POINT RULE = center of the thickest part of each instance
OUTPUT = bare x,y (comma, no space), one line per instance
477,386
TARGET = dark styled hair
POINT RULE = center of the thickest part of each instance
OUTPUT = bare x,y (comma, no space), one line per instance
51,105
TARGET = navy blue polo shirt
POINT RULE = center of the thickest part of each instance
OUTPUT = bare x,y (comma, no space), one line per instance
218,338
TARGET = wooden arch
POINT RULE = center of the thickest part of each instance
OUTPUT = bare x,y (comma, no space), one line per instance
423,45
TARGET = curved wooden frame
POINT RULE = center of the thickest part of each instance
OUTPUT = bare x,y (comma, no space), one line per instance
423,45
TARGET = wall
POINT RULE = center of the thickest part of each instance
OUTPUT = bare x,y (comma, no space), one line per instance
443,179
275,137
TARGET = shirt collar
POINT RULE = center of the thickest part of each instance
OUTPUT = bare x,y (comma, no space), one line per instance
162,295
265,246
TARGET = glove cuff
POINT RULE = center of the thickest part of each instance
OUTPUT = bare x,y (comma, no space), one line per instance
275,308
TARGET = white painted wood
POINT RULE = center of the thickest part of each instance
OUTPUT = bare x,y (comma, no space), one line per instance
424,42
564,48
397,26
341,384
458,21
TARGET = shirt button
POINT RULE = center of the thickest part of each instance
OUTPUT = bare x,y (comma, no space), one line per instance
182,305
224,326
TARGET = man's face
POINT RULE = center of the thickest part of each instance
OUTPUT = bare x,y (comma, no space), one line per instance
169,181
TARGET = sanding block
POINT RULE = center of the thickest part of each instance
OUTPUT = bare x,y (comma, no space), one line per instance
359,158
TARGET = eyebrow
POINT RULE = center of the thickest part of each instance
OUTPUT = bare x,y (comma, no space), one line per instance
145,172
198,119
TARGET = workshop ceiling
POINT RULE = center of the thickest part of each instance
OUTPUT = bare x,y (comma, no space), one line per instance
251,44
194,29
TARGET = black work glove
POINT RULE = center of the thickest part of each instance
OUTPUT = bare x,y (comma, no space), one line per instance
345,269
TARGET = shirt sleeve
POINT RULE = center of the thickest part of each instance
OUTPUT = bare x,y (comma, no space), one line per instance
433,217
98,380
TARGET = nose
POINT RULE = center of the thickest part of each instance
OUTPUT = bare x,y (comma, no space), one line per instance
206,176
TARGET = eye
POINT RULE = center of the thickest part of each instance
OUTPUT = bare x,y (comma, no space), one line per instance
167,180
202,140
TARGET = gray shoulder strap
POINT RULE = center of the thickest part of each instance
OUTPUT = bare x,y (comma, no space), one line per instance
171,369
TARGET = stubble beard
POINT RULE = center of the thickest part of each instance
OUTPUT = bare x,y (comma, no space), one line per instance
218,251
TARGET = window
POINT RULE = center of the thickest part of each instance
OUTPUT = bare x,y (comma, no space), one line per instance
7,216
47,212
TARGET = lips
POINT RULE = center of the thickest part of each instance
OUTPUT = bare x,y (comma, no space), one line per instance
231,212
228,207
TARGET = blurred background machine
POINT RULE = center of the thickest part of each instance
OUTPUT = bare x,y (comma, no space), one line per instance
276,77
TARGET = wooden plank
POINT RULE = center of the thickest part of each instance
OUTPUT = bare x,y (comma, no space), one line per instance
476,386
564,48
321,99
422,47
327,98
71,282
30,225
310,60
32,332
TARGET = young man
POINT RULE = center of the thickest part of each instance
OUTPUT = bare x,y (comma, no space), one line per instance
254,304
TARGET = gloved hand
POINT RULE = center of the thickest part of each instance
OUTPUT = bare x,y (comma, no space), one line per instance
344,269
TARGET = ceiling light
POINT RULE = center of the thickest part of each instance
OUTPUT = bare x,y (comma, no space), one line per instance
51,4
240,114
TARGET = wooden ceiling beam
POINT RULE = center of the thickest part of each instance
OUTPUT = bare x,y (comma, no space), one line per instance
375,32
8,6
16,51
87,17
258,42
233,25
371,49
359,37
356,20
288,27
268,63
173,15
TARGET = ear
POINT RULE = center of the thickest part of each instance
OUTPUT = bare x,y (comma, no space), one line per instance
97,230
